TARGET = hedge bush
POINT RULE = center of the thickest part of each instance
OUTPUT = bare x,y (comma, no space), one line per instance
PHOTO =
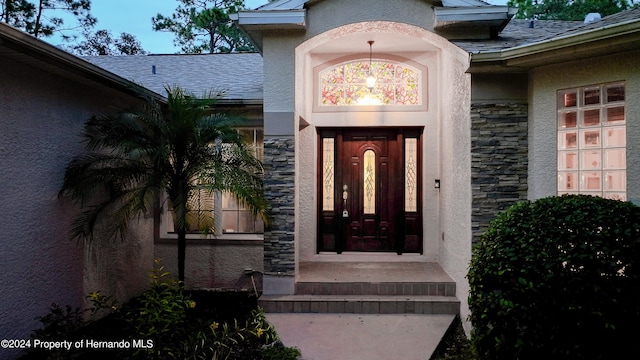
558,278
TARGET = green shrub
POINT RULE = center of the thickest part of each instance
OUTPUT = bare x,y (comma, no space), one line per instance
280,352
557,278
158,314
58,325
232,341
66,324
170,322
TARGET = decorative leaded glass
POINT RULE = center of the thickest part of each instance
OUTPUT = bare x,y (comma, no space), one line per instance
410,175
328,174
369,182
346,84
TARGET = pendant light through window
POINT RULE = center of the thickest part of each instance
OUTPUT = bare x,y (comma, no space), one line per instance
371,80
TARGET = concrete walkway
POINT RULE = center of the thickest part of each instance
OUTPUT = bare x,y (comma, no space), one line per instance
361,336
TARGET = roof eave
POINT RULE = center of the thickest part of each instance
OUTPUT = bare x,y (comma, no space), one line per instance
472,22
254,22
24,43
271,19
607,39
466,15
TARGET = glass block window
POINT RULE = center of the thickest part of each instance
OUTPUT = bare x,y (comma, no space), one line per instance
346,84
592,141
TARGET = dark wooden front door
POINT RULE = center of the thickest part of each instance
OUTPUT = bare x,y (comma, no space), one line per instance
362,187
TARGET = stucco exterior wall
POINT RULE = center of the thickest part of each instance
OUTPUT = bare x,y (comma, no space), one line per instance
418,13
120,268
496,88
455,185
429,116
279,62
213,263
445,118
41,117
543,85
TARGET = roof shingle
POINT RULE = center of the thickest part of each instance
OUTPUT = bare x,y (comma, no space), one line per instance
524,32
519,32
240,75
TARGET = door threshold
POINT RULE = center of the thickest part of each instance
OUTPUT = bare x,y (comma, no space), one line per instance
368,257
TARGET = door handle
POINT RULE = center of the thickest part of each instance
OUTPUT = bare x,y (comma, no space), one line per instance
345,196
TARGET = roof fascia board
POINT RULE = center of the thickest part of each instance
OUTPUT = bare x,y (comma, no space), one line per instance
283,5
283,19
474,13
453,3
558,43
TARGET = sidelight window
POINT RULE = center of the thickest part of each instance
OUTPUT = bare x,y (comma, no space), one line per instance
410,175
369,180
328,174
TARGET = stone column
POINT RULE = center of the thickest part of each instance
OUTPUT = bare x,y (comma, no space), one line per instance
280,190
279,185
499,161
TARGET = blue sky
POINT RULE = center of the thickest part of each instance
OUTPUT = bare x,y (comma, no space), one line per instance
134,17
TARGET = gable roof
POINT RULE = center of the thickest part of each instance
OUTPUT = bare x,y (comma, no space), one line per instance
300,4
239,75
451,16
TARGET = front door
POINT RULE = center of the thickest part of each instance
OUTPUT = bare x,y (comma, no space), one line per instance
369,190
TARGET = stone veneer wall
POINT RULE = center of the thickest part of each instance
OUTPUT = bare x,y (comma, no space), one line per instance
279,185
499,161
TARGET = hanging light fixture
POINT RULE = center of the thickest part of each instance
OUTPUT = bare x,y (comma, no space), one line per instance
371,80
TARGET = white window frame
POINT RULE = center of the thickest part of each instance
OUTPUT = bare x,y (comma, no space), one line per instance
166,221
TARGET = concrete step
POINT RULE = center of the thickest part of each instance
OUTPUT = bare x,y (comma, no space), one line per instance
447,288
360,304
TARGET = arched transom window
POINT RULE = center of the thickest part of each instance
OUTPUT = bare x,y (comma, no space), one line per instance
346,84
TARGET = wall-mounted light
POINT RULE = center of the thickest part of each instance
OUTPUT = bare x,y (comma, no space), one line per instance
371,80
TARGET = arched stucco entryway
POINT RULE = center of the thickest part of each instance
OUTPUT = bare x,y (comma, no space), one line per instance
443,113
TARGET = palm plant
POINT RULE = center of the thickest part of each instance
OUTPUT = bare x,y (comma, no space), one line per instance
136,156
